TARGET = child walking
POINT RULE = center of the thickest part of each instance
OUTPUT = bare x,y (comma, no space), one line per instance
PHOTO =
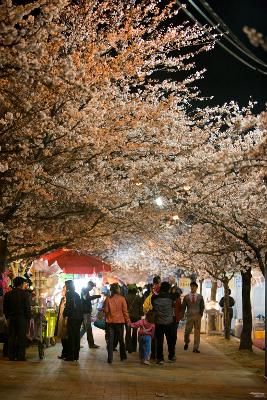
146,329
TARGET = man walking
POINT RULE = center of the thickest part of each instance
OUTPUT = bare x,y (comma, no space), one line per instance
135,310
17,310
230,310
87,311
193,304
163,313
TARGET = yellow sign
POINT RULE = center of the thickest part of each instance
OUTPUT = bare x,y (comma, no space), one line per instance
184,283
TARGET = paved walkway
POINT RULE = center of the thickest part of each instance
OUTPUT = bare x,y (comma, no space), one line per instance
205,376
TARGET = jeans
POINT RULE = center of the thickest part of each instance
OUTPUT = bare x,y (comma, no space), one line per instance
144,347
170,332
115,331
87,327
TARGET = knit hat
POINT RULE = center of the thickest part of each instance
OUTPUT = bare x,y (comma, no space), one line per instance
132,287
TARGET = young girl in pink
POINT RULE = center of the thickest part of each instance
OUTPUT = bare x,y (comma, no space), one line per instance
146,329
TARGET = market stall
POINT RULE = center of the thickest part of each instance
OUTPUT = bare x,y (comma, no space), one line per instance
45,281
79,267
41,282
75,262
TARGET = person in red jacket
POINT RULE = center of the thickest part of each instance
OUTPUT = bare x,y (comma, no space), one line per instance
146,329
117,316
177,304
177,308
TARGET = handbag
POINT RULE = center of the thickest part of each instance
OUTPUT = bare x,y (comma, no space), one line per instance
100,323
100,320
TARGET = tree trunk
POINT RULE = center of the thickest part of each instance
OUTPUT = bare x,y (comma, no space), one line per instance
3,253
245,339
226,310
212,324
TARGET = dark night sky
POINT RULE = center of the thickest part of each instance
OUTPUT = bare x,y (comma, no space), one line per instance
226,78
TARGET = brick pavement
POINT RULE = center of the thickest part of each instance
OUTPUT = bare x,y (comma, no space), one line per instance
206,376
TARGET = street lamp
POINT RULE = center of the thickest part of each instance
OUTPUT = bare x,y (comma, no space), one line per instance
159,201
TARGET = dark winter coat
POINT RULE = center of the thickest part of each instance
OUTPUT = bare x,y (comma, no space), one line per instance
73,307
135,306
231,304
163,308
17,304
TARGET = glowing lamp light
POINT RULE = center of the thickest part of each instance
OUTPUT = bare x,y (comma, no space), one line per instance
138,183
175,218
159,201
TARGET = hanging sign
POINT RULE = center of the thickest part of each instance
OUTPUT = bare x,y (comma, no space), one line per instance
184,283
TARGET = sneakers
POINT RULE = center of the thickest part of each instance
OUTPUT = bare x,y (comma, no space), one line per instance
173,359
186,346
94,346
146,362
161,362
196,351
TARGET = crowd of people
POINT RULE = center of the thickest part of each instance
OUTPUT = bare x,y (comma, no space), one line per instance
131,317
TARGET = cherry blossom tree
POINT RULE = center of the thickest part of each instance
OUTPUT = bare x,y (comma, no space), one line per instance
91,136
77,95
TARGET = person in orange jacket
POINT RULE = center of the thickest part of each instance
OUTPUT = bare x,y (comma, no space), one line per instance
116,311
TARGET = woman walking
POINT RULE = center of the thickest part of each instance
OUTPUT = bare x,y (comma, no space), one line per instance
115,308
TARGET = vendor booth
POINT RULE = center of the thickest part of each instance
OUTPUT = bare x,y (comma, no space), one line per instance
41,282
80,268
45,282
74,262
